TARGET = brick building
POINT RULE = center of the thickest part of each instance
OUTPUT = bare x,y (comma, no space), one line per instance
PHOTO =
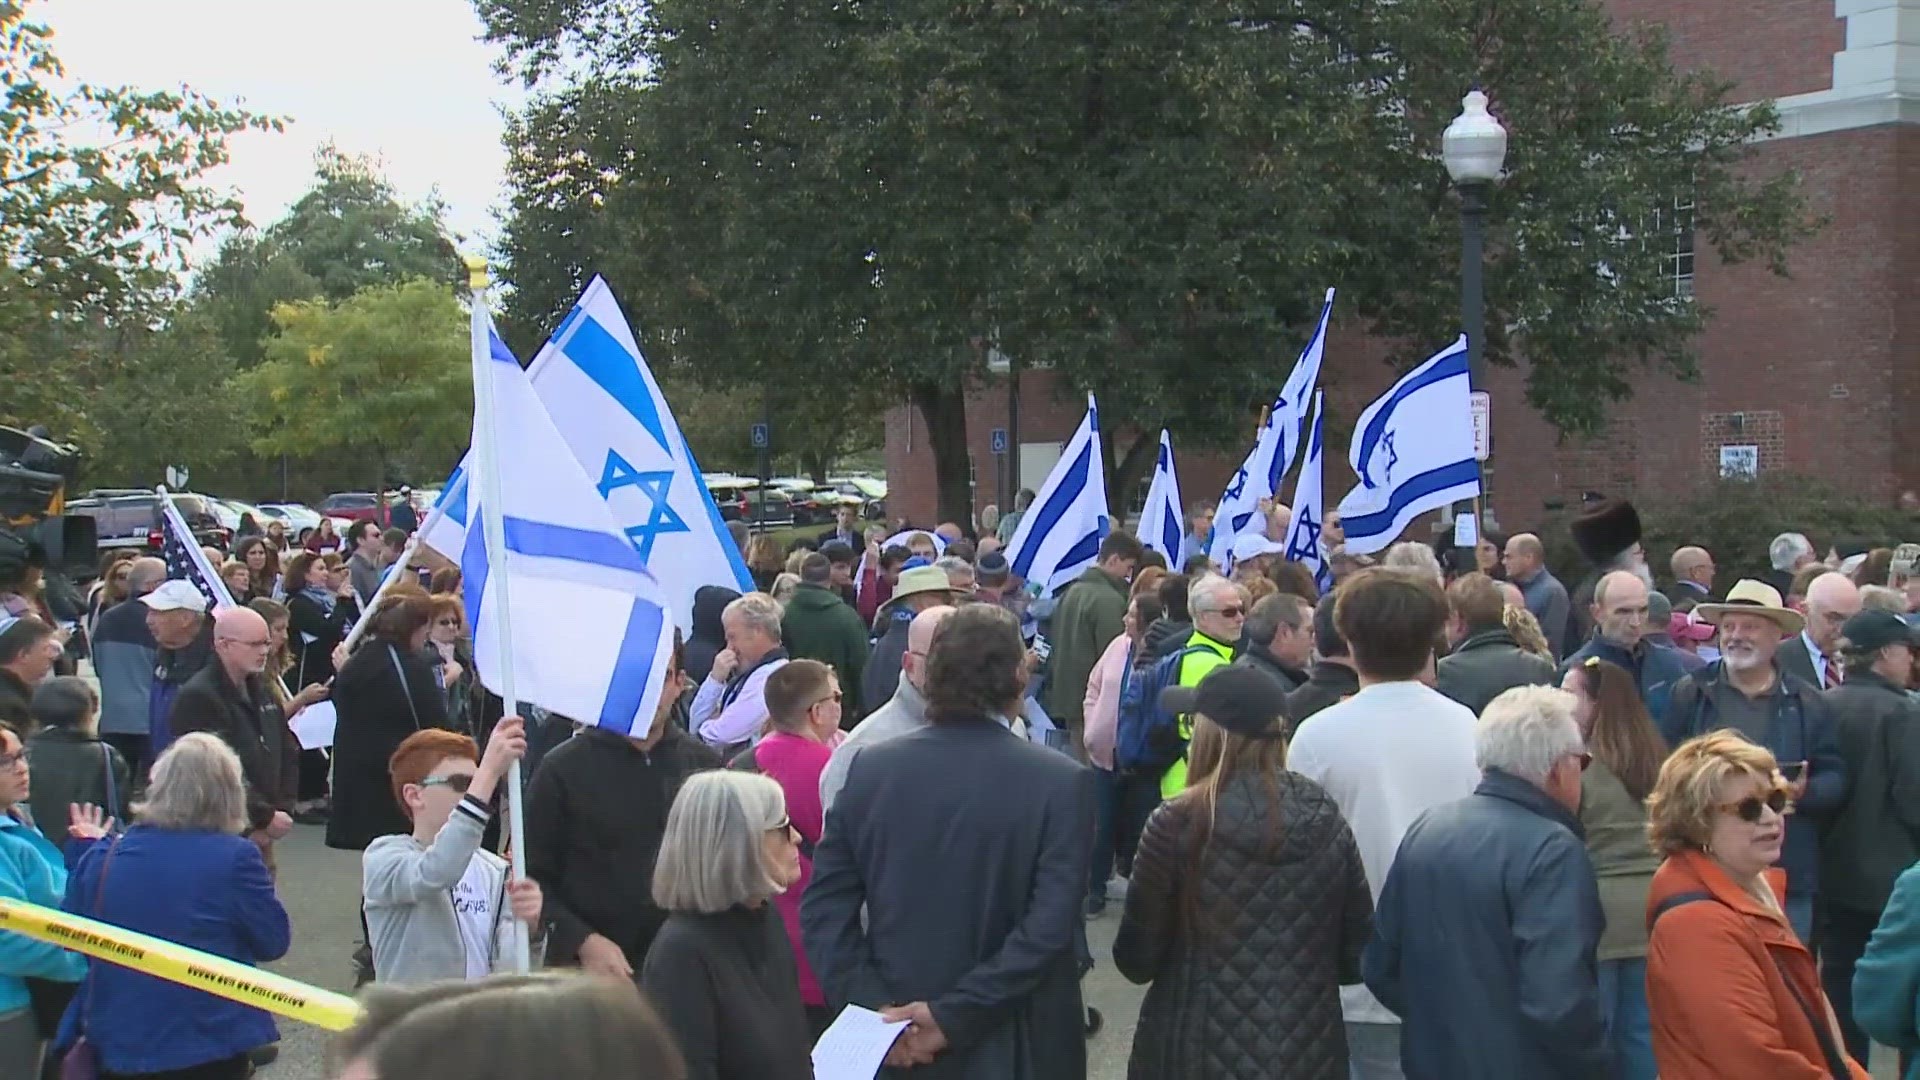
1818,373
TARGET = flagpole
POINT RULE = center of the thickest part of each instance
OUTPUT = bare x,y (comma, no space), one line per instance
498,573
387,583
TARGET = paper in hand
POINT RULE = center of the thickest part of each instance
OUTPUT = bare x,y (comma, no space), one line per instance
856,1044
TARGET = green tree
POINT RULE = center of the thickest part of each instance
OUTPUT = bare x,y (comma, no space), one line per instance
378,385
349,231
101,194
1148,198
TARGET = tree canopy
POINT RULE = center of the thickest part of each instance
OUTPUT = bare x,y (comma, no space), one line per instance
1148,198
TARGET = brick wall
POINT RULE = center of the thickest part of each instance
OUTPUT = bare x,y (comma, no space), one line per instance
1768,48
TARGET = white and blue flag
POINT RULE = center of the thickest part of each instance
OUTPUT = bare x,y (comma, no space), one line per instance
1273,449
1060,534
1162,525
592,629
1304,545
593,381
1413,451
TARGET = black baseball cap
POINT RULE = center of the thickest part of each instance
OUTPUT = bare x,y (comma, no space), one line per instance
1873,630
1243,700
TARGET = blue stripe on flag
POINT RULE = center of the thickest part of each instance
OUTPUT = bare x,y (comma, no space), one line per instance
473,575
498,350
1415,487
547,541
1087,548
1171,534
454,496
617,371
735,560
1063,498
1451,365
633,670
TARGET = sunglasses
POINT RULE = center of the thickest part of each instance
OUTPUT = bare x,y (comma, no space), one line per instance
457,783
1230,612
785,828
1748,809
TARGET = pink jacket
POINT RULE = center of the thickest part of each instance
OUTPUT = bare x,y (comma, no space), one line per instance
795,763
1101,709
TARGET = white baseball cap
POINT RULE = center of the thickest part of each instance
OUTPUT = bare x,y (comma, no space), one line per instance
175,595
1252,545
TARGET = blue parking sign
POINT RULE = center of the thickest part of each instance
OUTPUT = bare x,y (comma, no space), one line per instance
759,436
999,440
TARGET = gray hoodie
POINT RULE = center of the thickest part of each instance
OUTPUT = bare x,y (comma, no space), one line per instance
408,893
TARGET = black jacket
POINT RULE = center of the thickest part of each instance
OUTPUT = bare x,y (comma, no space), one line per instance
1487,664
1484,941
881,677
727,988
1283,903
973,904
1876,831
708,637
1165,637
313,632
71,767
250,722
596,811
1290,679
15,697
1326,684
376,714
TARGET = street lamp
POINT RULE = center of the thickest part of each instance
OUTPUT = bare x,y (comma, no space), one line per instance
1474,147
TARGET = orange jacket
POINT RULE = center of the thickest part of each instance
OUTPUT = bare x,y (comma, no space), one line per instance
1717,983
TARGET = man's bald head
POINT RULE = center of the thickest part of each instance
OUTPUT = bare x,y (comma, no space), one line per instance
1693,564
1832,599
1524,556
241,641
1620,607
145,575
919,640
1512,596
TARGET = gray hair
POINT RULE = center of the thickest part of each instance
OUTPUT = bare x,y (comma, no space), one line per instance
957,569
196,785
783,587
1882,598
757,610
1787,549
713,854
145,575
1273,612
1206,585
1414,557
1525,730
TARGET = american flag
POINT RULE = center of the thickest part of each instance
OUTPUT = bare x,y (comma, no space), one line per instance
184,558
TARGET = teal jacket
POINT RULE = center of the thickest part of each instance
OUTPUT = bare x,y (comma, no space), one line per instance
1886,981
33,870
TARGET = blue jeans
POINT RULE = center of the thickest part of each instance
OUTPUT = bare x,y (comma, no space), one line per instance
1799,911
1373,1052
1106,787
1623,1005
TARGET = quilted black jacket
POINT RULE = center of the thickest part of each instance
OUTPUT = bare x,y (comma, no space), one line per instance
1284,910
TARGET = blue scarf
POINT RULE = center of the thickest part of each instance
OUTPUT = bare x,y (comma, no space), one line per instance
320,596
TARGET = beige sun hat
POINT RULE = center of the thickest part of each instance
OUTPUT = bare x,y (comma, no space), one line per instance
1751,597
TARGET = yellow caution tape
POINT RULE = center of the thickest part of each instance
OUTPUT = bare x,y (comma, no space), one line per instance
216,975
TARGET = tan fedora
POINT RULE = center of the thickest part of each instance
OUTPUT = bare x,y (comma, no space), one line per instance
1751,597
920,581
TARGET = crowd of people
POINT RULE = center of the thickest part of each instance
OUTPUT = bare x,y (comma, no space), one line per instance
1448,818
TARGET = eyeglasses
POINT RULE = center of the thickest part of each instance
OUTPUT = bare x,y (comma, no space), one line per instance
785,828
1748,809
1234,612
457,782
833,697
18,757
1585,759
263,643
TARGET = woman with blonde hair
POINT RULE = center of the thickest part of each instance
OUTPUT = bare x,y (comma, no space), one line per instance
1247,884
1731,989
764,561
1525,630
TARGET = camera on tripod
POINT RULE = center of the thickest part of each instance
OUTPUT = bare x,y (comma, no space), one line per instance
35,473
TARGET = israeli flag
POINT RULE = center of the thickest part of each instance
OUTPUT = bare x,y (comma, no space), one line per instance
592,633
1162,527
593,381
1413,451
1273,449
1303,536
1060,534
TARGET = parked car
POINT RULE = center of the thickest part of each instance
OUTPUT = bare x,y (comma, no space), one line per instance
871,492
811,505
299,519
741,499
125,518
351,506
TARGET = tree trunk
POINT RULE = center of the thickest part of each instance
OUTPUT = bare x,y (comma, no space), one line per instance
944,410
1127,470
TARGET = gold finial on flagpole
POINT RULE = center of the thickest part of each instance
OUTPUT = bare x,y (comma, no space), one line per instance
476,272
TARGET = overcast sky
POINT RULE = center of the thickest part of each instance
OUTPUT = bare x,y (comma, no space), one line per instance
407,81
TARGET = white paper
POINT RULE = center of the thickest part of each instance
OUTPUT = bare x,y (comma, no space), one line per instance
1466,531
854,1047
314,725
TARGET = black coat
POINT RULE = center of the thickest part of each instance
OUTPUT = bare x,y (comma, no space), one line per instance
73,767
15,697
1326,685
1290,679
881,677
1484,941
727,987
376,714
708,637
307,619
250,722
973,903
1283,901
1875,834
596,810
1487,664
